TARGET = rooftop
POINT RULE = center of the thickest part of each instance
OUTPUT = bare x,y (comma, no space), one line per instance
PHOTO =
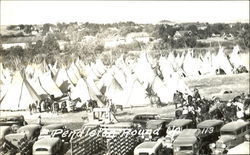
209,123
232,126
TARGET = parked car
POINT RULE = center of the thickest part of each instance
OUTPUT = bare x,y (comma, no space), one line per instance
241,149
31,131
47,130
187,143
148,148
174,128
27,133
232,134
142,119
12,120
4,130
210,132
158,128
47,146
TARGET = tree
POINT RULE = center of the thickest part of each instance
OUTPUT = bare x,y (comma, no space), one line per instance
50,44
193,29
190,41
28,29
46,28
245,36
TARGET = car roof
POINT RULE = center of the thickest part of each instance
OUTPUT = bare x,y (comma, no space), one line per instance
187,136
14,136
46,142
156,121
185,140
242,148
209,123
3,129
146,114
146,145
11,116
232,126
53,126
29,127
117,125
14,115
189,132
179,122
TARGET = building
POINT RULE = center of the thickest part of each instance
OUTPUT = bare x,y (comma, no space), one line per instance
20,41
180,34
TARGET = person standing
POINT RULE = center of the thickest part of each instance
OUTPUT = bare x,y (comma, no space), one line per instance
196,95
30,108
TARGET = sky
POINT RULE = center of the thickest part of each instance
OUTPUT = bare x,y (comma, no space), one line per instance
40,12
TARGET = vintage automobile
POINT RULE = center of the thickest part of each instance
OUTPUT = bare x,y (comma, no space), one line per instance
47,146
148,148
142,119
12,120
158,128
187,143
174,128
241,149
47,131
27,132
210,132
231,134
4,130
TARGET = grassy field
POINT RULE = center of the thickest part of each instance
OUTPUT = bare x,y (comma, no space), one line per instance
208,85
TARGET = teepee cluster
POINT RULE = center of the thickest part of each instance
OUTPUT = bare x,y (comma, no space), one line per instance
125,82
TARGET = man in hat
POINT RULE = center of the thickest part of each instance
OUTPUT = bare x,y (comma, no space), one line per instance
196,94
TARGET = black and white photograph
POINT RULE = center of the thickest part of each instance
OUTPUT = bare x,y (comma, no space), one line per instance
124,77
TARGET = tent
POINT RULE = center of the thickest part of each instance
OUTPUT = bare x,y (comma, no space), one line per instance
73,74
80,91
161,90
135,95
20,94
49,85
235,58
143,70
221,61
166,68
206,63
115,91
245,59
190,64
62,80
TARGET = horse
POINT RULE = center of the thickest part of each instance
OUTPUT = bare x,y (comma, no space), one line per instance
155,100
91,104
153,97
216,114
74,102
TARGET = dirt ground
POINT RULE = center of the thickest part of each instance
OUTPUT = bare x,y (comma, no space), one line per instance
208,85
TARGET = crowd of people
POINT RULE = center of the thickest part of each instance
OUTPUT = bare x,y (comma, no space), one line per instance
199,108
49,105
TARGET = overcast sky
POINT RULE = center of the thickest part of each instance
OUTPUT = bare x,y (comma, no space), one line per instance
40,12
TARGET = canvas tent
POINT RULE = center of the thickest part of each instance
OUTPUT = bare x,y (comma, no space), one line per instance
20,94
49,85
235,58
80,91
221,61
